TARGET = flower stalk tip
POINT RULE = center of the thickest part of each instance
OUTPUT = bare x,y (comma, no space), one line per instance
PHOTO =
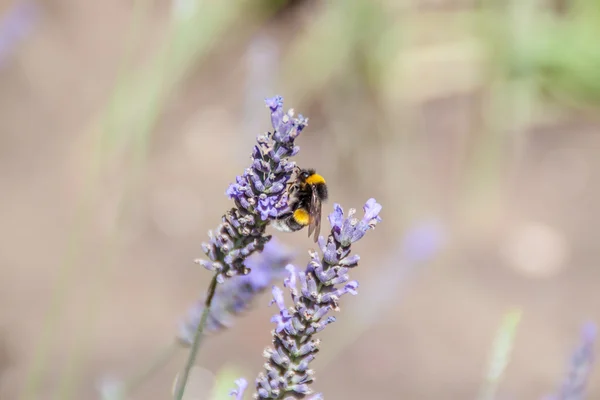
259,196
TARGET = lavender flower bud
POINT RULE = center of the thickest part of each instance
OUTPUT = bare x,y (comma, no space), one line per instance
573,387
314,292
237,294
259,196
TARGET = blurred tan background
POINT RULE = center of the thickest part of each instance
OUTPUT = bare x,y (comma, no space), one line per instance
123,122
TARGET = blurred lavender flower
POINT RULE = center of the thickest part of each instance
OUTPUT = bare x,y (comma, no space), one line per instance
322,284
15,25
419,245
422,242
259,196
238,293
241,384
573,387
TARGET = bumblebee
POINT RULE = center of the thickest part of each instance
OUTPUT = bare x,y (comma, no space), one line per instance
306,193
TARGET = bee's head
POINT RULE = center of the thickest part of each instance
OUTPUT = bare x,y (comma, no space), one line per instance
304,174
310,177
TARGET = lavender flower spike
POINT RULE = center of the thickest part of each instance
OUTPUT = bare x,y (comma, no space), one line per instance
237,294
259,195
573,387
314,291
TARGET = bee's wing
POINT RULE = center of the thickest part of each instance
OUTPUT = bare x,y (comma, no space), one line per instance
315,216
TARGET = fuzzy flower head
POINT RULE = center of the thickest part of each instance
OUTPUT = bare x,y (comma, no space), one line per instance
314,293
259,195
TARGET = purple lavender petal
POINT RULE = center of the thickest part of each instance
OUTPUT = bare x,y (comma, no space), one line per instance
278,298
351,288
336,218
357,232
275,104
372,210
280,322
290,281
350,261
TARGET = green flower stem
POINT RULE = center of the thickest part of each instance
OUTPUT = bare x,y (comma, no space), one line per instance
197,339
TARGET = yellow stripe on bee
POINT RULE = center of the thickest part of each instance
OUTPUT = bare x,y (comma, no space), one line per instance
315,179
301,216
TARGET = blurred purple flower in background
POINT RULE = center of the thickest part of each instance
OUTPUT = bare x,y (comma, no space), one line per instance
259,195
241,384
15,25
237,294
315,292
582,360
422,242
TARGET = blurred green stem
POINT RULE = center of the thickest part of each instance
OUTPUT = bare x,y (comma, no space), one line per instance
501,352
34,377
197,339
63,281
98,287
141,137
193,35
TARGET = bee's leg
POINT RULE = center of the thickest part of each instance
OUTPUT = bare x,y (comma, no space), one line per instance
292,195
293,187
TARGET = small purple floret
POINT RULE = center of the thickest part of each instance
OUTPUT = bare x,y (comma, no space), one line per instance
350,230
